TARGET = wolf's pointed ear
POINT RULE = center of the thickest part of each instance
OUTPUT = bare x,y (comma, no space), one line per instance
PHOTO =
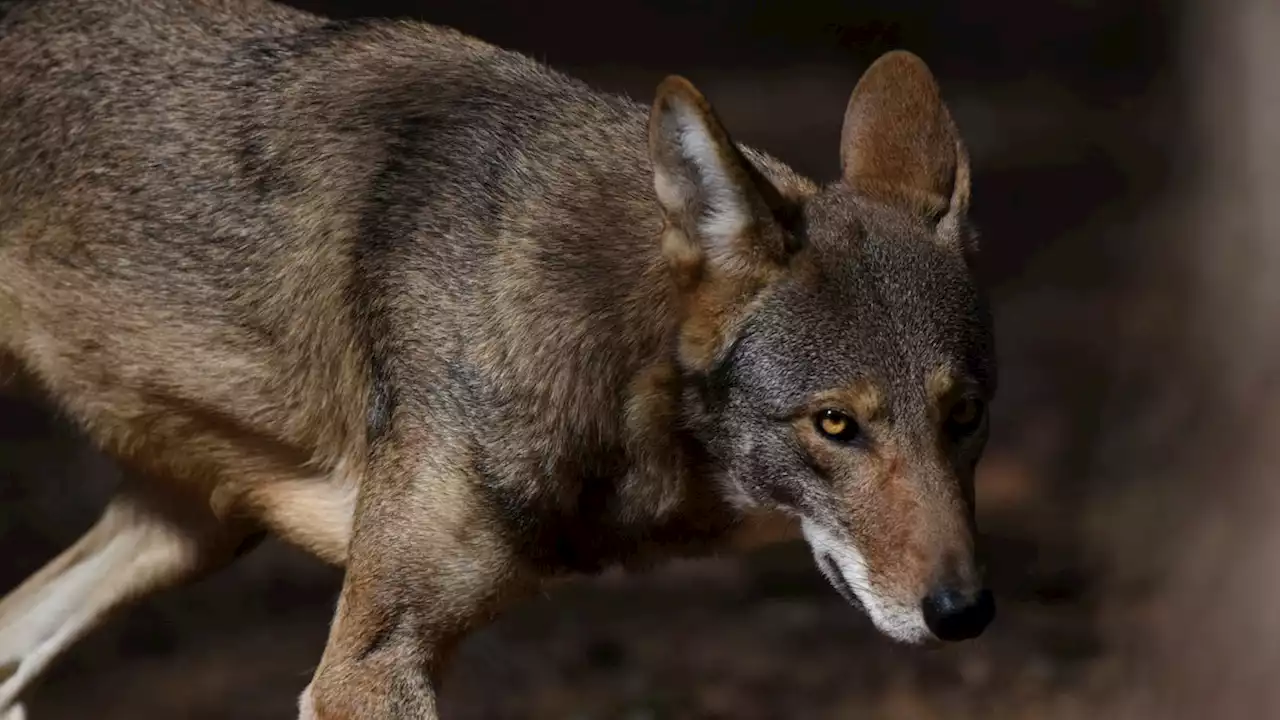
899,143
724,213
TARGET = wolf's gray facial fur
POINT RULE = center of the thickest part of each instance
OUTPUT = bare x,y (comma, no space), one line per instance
876,299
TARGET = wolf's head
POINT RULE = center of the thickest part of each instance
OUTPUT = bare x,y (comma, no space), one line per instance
841,350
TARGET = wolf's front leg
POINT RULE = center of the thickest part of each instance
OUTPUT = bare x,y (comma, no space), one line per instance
428,563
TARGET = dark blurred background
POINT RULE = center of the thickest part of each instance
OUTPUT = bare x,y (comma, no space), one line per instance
1123,155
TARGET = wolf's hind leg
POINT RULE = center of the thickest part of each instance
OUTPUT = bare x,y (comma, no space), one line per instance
139,546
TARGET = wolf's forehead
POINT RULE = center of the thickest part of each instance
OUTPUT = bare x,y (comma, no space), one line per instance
883,321
816,347
905,297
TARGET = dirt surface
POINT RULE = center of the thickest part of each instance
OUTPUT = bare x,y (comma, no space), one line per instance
711,640
755,637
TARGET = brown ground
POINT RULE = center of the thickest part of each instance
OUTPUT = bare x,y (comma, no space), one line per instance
758,637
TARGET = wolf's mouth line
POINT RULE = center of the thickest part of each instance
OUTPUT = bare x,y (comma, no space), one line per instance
838,581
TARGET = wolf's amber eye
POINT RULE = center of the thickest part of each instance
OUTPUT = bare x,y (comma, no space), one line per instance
836,425
965,416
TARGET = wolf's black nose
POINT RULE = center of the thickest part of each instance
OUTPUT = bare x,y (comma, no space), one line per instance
953,616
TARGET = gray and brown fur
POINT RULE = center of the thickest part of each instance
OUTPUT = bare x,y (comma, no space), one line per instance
439,314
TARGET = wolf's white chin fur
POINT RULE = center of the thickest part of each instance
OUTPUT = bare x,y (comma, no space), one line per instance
903,622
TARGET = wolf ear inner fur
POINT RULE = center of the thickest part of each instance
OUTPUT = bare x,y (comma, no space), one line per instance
726,210
899,143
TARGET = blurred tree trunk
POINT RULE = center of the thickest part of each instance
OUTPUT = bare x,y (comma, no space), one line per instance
1214,646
